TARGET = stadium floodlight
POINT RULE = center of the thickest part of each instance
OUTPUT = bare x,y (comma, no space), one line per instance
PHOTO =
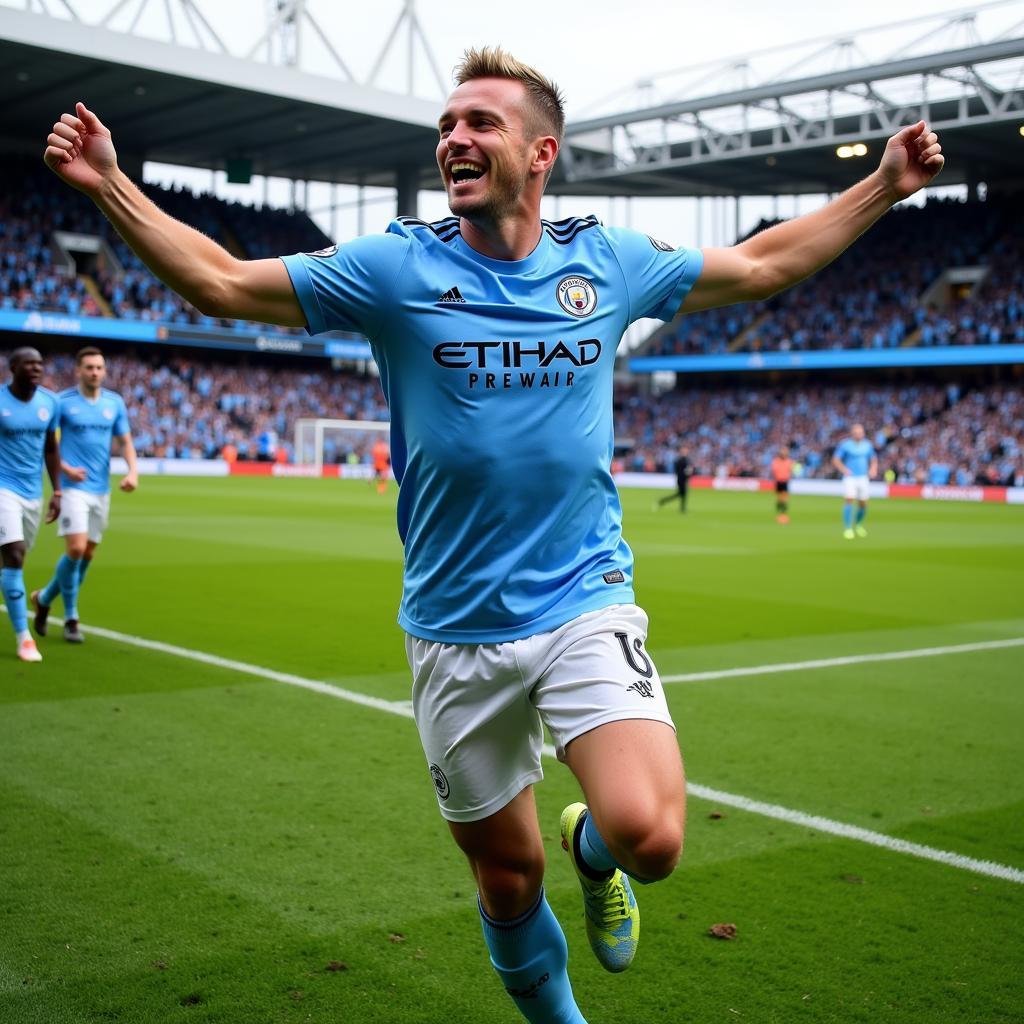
1021,129
857,149
347,442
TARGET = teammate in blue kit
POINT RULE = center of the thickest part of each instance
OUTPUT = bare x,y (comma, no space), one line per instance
855,458
495,333
90,418
28,439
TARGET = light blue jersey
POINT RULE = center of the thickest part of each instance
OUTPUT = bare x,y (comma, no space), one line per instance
856,456
498,375
86,430
23,430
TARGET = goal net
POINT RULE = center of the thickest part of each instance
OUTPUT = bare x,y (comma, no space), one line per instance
338,442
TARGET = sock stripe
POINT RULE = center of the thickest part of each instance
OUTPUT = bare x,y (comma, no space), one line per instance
515,922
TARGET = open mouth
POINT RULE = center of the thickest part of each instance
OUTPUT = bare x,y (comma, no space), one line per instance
465,171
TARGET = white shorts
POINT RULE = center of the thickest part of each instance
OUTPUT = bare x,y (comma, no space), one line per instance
855,488
480,708
83,512
19,518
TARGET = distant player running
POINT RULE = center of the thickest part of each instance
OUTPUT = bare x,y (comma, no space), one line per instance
28,423
495,333
684,470
855,458
782,473
90,417
381,455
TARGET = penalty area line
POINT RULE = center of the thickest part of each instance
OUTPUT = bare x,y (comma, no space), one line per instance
853,659
767,810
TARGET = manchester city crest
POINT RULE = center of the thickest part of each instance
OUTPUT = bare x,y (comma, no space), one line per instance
576,295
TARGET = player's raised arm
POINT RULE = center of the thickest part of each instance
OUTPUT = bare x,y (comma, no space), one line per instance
80,151
783,255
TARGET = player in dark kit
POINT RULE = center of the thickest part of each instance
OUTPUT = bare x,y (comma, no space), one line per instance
684,470
495,333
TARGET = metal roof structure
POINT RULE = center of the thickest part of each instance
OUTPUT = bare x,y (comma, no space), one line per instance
774,122
727,129
196,107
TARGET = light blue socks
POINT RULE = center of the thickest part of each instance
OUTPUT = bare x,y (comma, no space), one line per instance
530,956
66,582
12,583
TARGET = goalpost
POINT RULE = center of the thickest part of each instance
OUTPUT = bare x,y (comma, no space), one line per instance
346,442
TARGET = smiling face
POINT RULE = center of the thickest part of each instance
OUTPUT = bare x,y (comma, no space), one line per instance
487,152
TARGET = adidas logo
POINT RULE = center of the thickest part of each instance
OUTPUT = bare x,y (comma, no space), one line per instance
452,295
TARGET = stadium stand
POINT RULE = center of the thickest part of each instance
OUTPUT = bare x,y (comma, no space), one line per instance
924,433
35,207
874,296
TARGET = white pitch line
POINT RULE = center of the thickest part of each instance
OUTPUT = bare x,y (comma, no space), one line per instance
404,709
853,659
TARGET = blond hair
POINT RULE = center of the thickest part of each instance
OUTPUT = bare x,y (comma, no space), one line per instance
544,98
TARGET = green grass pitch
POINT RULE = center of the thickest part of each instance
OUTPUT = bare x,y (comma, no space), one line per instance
180,842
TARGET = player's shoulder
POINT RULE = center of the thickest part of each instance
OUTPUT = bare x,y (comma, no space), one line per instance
48,396
424,232
111,394
68,395
567,230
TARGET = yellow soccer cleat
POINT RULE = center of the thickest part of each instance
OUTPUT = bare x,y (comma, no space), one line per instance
609,907
860,531
849,534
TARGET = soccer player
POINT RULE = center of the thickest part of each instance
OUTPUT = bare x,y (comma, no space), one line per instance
90,417
782,472
381,454
855,458
684,470
495,334
28,422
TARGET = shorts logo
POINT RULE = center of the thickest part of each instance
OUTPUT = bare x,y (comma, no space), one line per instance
440,782
642,687
643,666
614,577
65,521
576,295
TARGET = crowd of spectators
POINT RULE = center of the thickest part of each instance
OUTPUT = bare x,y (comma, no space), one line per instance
187,409
871,297
34,204
924,433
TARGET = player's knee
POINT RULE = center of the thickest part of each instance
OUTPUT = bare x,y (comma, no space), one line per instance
509,886
652,845
76,549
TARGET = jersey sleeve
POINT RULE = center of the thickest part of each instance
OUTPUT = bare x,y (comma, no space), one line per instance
55,408
348,287
121,424
657,276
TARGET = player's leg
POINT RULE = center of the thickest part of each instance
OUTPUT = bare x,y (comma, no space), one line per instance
602,699
526,944
684,487
631,774
862,511
668,498
19,520
483,739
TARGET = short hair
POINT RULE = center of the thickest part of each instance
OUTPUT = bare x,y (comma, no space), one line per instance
545,98
19,354
89,350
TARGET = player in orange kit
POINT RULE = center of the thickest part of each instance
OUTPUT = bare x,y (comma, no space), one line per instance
782,471
381,453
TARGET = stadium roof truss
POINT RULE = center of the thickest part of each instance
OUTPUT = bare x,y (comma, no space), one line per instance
781,137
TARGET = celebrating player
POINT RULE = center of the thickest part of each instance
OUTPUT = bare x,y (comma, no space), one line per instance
28,423
90,417
495,333
782,472
855,458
